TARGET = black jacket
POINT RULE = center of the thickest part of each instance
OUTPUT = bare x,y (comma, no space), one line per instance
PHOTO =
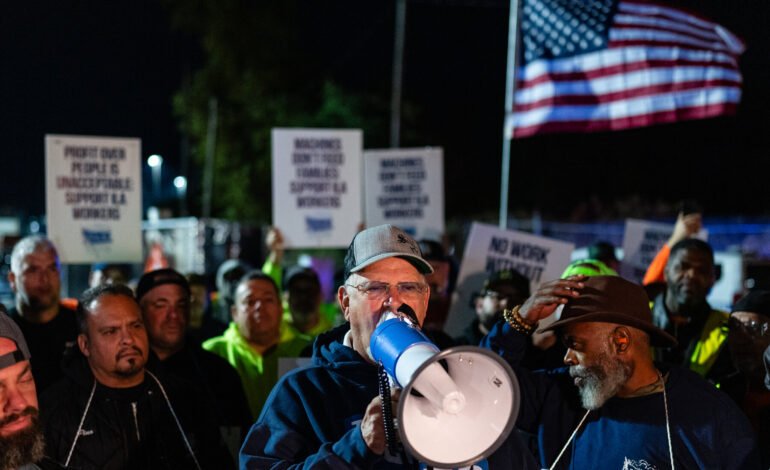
129,428
48,343
221,387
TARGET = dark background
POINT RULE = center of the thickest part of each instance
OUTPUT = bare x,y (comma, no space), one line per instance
111,68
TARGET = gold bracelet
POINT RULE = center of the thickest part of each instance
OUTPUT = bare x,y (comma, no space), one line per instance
513,318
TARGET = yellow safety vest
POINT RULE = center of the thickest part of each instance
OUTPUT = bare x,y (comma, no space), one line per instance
710,343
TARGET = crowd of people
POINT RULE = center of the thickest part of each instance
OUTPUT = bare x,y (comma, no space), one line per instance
628,375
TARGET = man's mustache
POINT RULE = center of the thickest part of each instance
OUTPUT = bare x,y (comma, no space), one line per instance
123,352
28,411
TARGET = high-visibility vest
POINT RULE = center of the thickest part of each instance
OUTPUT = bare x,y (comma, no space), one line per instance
710,343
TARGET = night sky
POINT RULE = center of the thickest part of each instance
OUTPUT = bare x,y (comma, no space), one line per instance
110,68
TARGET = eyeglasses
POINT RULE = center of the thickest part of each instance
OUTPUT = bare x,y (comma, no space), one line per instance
751,328
379,290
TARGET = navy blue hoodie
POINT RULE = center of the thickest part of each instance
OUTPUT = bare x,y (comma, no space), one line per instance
311,418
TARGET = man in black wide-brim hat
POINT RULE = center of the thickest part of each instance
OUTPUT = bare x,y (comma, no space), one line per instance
613,407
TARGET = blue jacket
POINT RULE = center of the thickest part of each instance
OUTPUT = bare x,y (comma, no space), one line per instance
311,418
707,429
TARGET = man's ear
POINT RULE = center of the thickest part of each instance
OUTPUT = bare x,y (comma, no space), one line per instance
12,280
621,338
83,344
343,298
713,277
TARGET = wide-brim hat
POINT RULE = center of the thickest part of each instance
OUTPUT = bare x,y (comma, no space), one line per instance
612,299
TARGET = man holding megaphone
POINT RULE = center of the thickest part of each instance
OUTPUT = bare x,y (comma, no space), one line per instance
330,414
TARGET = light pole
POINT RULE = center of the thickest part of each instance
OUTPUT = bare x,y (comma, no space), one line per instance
155,162
180,183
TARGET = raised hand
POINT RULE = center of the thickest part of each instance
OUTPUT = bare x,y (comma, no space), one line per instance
549,296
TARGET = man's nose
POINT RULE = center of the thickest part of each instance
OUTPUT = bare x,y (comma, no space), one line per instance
393,298
569,358
16,402
44,277
174,311
690,273
126,336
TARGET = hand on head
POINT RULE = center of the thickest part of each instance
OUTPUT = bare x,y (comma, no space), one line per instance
549,296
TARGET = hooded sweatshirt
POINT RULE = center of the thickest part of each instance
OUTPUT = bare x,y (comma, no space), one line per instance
311,419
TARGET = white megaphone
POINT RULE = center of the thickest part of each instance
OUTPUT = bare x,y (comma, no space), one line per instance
457,406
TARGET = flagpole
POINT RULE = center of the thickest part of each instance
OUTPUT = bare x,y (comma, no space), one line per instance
510,90
398,66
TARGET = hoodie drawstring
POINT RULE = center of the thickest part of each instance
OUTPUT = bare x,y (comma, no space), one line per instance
80,426
168,402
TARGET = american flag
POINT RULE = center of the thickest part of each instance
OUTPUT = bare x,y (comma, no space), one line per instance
599,65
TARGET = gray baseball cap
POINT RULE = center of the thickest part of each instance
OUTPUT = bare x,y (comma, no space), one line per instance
381,242
9,329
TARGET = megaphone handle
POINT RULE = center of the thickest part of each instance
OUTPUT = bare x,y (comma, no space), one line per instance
387,409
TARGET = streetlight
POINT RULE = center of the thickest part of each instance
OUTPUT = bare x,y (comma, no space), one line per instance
156,163
180,183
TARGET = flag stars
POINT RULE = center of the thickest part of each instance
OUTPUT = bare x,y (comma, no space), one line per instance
560,28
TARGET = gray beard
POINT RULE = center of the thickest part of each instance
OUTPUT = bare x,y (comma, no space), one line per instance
23,447
601,381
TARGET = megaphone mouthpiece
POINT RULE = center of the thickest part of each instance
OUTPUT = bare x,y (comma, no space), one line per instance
409,312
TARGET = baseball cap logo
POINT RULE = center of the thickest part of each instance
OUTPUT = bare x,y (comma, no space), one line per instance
402,239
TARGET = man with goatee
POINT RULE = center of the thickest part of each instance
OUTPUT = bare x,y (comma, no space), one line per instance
110,412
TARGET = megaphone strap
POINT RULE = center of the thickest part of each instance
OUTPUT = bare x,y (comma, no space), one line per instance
383,383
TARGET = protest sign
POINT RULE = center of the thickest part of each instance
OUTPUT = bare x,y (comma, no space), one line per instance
405,187
317,186
490,249
641,242
94,198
